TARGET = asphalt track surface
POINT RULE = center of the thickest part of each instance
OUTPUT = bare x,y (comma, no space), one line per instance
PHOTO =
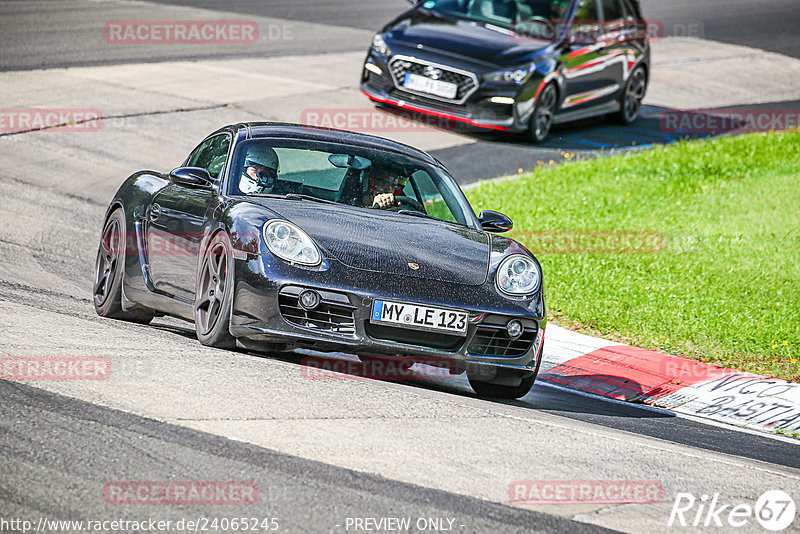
44,440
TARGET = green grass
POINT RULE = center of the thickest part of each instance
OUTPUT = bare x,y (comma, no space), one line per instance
725,286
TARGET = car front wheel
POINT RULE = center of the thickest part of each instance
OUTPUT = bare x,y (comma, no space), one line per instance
213,300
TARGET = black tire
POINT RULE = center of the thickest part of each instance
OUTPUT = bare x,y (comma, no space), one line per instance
630,101
498,391
109,270
214,295
543,114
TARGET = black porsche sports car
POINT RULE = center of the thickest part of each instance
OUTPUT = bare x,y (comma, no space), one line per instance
512,65
274,237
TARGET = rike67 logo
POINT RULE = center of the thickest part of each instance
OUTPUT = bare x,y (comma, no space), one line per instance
775,511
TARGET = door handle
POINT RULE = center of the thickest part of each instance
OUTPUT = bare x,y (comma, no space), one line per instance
155,212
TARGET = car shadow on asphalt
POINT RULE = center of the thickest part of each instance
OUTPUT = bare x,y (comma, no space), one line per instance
320,366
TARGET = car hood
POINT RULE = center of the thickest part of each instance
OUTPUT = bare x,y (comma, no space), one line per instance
386,242
468,40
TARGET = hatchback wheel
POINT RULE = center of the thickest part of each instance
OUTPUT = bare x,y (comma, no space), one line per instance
632,97
543,114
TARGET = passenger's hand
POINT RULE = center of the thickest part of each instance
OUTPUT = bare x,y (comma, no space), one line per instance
383,201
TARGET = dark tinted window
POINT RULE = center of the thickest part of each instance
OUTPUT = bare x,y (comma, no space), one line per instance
211,155
586,14
612,10
586,26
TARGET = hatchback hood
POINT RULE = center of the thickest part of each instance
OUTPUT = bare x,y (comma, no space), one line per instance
471,41
386,242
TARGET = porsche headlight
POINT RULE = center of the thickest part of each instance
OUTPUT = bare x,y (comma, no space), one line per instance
290,243
379,45
518,275
511,76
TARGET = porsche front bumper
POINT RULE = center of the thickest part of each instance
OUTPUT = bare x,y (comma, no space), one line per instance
266,312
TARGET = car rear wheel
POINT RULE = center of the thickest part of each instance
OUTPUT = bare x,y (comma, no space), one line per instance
109,267
543,114
631,99
502,391
213,300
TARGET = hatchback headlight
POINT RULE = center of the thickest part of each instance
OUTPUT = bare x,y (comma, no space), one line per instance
290,243
518,275
379,45
511,76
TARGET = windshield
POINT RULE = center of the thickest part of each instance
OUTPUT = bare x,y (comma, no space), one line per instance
509,14
358,177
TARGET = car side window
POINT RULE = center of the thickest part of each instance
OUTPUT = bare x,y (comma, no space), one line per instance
586,23
612,10
421,187
211,155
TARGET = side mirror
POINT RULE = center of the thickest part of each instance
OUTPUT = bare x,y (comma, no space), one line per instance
495,222
195,177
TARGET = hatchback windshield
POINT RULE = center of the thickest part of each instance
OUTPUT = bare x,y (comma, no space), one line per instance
510,14
342,174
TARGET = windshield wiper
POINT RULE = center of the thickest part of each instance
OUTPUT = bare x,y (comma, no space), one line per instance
298,196
418,214
294,196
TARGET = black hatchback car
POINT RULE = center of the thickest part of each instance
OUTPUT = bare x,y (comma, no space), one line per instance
512,65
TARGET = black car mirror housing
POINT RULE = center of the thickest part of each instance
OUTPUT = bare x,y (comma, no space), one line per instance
195,177
496,222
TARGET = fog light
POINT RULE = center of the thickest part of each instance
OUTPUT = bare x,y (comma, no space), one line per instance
373,68
309,299
502,100
514,329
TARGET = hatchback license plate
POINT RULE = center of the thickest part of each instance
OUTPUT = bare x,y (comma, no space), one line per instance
419,317
415,82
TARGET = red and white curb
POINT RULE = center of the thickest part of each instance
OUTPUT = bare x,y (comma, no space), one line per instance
698,390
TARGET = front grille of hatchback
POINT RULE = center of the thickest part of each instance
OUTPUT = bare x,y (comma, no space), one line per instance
491,340
467,84
334,313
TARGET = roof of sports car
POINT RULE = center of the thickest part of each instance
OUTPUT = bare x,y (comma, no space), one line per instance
302,131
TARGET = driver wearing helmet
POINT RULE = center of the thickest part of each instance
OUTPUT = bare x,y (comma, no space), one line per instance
383,188
261,168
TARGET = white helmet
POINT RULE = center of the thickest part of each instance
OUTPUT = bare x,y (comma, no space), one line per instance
264,156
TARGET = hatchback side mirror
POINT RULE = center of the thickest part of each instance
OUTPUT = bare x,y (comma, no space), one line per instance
493,221
195,177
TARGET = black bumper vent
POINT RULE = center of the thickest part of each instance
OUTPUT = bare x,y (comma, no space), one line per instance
334,313
491,340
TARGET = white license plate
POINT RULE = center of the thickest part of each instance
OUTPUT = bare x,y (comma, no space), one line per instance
419,317
415,82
